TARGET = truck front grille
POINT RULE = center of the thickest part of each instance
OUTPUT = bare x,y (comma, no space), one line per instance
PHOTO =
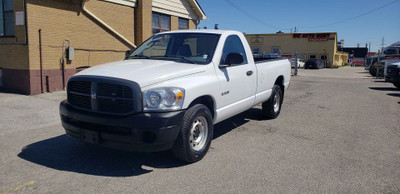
107,95
79,100
83,87
113,90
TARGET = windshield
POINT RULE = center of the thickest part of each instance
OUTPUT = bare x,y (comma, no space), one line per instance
197,48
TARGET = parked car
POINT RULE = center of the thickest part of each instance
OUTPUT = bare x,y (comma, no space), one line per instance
313,64
300,63
170,91
368,61
374,65
393,74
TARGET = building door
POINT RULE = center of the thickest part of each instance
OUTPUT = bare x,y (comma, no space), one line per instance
324,60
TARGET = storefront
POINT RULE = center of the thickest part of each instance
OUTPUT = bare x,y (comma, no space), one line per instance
322,45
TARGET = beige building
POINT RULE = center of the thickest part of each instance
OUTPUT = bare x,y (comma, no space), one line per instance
308,45
44,42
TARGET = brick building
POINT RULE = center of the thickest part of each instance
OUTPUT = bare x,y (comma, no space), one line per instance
319,45
36,36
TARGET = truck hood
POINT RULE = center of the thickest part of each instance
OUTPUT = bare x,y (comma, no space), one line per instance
145,72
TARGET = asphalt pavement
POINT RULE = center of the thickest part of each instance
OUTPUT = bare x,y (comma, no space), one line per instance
338,132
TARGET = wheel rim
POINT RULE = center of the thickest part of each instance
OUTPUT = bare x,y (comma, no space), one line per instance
198,133
277,102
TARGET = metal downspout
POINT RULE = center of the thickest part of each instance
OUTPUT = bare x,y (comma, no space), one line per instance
133,46
41,60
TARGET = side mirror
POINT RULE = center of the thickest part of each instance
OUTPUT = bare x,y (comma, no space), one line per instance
233,59
128,52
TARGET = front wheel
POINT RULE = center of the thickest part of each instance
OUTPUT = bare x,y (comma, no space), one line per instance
272,107
196,134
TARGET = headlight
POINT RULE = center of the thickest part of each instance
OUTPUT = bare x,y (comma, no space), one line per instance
163,99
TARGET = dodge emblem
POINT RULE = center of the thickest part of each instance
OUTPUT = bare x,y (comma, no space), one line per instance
93,95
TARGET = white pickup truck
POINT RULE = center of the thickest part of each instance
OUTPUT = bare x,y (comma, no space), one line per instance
170,91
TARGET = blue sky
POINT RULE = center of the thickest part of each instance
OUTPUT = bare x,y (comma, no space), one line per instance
263,16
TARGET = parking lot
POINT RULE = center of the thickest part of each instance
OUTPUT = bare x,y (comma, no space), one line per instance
338,132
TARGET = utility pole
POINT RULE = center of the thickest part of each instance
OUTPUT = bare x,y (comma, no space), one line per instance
296,65
369,47
383,43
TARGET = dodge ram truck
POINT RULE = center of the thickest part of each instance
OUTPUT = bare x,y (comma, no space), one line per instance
170,91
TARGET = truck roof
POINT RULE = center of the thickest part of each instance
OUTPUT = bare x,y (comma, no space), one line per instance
212,31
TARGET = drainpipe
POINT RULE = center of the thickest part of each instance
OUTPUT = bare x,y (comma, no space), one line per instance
63,61
41,60
126,41
197,22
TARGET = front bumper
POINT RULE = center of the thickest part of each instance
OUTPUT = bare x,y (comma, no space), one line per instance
393,79
143,132
393,74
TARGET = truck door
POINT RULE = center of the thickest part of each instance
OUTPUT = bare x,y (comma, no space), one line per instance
237,82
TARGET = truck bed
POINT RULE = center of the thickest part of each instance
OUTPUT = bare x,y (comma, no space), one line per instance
261,60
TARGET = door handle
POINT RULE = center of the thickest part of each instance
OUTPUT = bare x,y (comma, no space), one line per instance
249,73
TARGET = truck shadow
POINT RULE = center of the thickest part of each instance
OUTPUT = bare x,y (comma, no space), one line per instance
237,121
66,154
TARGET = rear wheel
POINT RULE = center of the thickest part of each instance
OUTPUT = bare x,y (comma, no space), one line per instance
196,134
272,107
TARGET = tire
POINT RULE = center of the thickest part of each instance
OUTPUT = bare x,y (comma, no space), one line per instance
195,136
372,71
272,107
380,72
397,84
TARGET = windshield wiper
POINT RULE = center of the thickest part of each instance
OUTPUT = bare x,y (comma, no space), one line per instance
138,57
181,58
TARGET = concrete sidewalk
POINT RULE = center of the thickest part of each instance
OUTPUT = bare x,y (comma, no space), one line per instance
20,112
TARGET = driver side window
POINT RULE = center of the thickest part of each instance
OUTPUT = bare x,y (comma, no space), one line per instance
233,44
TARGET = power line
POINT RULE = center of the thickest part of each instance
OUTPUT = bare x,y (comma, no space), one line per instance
354,17
253,17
